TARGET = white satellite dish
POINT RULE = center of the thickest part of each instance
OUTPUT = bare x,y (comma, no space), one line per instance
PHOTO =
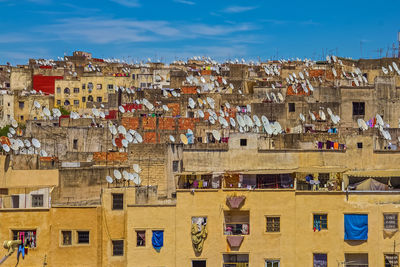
322,115
268,128
264,119
27,143
14,123
240,121
211,120
95,112
122,130
192,104
46,112
172,139
227,105
124,143
280,97
109,179
329,111
35,143
11,130
121,109
385,71
36,104
136,168
184,139
165,107
125,174
334,72
201,113
312,115
129,137
117,174
233,122
138,137
256,120
6,148
248,121
216,135
43,153
302,118
362,125
379,120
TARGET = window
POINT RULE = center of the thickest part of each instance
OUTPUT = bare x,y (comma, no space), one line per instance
15,201
90,86
8,103
58,102
66,91
21,104
391,260
273,224
66,103
75,144
390,221
110,87
37,201
90,98
292,107
83,237
356,259
118,201
140,238
133,76
76,102
359,145
236,260
243,142
142,85
175,165
272,263
320,260
99,86
320,222
358,108
29,235
99,99
356,227
76,90
83,86
66,238
58,90
118,247
83,99
199,263
236,223
21,117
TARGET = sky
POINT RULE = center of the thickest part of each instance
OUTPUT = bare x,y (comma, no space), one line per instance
168,30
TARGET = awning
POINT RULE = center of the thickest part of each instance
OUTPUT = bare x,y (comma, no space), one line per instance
322,169
274,171
380,173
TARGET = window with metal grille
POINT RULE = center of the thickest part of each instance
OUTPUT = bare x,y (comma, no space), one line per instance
391,260
118,201
272,263
390,221
66,238
358,108
37,200
320,221
273,224
29,235
76,102
110,87
118,247
76,90
320,260
83,237
140,238
99,99
243,142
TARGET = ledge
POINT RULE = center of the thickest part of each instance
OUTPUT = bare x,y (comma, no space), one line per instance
300,150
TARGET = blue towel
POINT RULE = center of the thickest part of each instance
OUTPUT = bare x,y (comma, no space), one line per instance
158,239
355,226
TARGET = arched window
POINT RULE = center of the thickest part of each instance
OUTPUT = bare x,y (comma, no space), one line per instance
90,98
66,91
66,103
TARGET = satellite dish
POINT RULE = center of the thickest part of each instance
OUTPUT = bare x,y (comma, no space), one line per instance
200,101
312,116
268,128
121,109
11,130
125,174
216,135
184,139
211,120
14,123
379,120
124,143
240,121
322,115
385,71
233,122
122,130
36,104
201,113
35,143
6,148
165,107
95,112
362,125
27,143
329,111
189,131
192,104
280,97
117,174
334,72
227,105
172,139
301,75
264,120
302,118
46,112
248,121
129,137
109,179
138,137
102,115
43,153
136,168
256,120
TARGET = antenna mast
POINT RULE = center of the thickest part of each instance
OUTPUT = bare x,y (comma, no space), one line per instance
398,39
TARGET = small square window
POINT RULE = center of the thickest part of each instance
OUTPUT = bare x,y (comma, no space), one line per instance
243,142
76,102
83,237
110,87
75,144
37,201
118,247
118,201
358,108
292,107
391,260
66,238
76,90
58,90
99,99
359,145
140,238
390,221
21,104
83,99
99,86
83,86
273,224
58,102
320,222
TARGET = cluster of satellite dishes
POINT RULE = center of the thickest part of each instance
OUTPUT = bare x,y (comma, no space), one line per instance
209,85
334,118
126,136
127,176
380,124
390,69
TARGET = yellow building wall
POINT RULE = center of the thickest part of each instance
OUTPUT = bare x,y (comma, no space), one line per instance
28,111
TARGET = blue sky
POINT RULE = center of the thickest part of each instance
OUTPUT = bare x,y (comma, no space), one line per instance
177,29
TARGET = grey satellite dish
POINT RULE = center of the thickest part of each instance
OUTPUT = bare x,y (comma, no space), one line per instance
233,122
117,174
35,143
138,137
172,139
6,148
43,153
109,179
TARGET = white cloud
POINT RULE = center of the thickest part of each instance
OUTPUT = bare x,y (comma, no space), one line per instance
186,2
127,3
238,9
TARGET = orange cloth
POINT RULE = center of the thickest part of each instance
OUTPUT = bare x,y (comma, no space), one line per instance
336,145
